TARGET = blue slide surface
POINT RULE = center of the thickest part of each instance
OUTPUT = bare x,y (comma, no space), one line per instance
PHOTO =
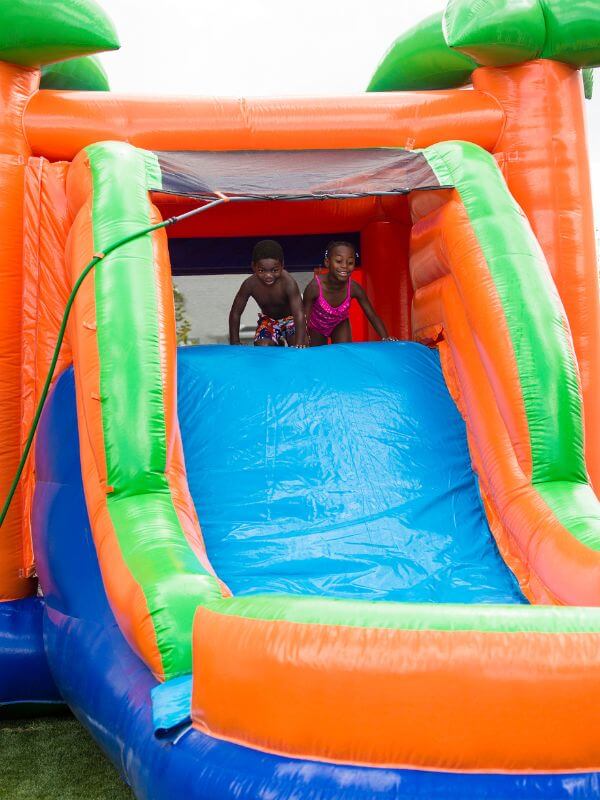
339,471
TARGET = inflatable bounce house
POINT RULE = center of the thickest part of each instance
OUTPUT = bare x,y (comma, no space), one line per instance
370,570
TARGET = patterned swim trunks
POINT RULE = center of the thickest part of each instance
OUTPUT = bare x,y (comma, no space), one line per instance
277,330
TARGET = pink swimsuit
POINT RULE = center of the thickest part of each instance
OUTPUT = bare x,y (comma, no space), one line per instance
323,317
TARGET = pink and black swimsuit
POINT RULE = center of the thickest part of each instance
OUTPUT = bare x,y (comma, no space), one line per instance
325,318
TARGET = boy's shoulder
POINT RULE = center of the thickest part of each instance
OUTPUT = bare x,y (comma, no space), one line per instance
249,283
289,281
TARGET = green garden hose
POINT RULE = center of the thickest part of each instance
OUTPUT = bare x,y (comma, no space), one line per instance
63,326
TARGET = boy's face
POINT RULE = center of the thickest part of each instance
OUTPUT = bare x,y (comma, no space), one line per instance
341,262
268,270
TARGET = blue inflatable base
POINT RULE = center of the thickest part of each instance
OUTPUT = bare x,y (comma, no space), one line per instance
24,674
110,693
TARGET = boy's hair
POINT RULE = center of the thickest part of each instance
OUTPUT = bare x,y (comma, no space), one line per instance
332,245
267,248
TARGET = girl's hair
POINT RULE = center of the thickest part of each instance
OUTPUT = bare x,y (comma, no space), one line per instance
332,245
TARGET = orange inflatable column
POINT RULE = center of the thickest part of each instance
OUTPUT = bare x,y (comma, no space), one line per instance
46,288
543,153
384,253
17,84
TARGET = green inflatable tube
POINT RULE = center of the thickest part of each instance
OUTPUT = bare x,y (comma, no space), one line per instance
495,32
498,33
442,51
85,74
421,59
38,32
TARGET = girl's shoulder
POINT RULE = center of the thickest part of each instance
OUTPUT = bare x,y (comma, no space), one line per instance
356,290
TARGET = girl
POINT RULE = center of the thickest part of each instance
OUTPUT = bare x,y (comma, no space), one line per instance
327,299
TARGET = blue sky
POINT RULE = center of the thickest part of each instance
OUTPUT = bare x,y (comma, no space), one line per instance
268,47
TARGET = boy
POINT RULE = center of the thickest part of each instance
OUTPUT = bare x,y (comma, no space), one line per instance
277,294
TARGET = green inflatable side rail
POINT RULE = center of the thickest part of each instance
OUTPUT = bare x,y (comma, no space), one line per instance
84,74
544,357
141,506
412,616
38,32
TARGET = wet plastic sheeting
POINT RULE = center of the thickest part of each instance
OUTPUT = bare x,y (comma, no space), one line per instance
339,471
295,173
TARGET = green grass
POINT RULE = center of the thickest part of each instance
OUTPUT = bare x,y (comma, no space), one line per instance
54,759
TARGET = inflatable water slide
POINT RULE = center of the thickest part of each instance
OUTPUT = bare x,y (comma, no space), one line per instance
368,570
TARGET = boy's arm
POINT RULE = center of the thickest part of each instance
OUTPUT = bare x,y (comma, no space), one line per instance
237,309
297,310
359,293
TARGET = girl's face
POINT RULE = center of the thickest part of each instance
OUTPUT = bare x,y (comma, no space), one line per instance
341,262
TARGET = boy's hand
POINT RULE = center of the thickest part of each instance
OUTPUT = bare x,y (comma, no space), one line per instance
237,309
390,339
297,310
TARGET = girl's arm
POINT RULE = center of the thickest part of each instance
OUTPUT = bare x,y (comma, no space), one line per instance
310,295
237,309
359,293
